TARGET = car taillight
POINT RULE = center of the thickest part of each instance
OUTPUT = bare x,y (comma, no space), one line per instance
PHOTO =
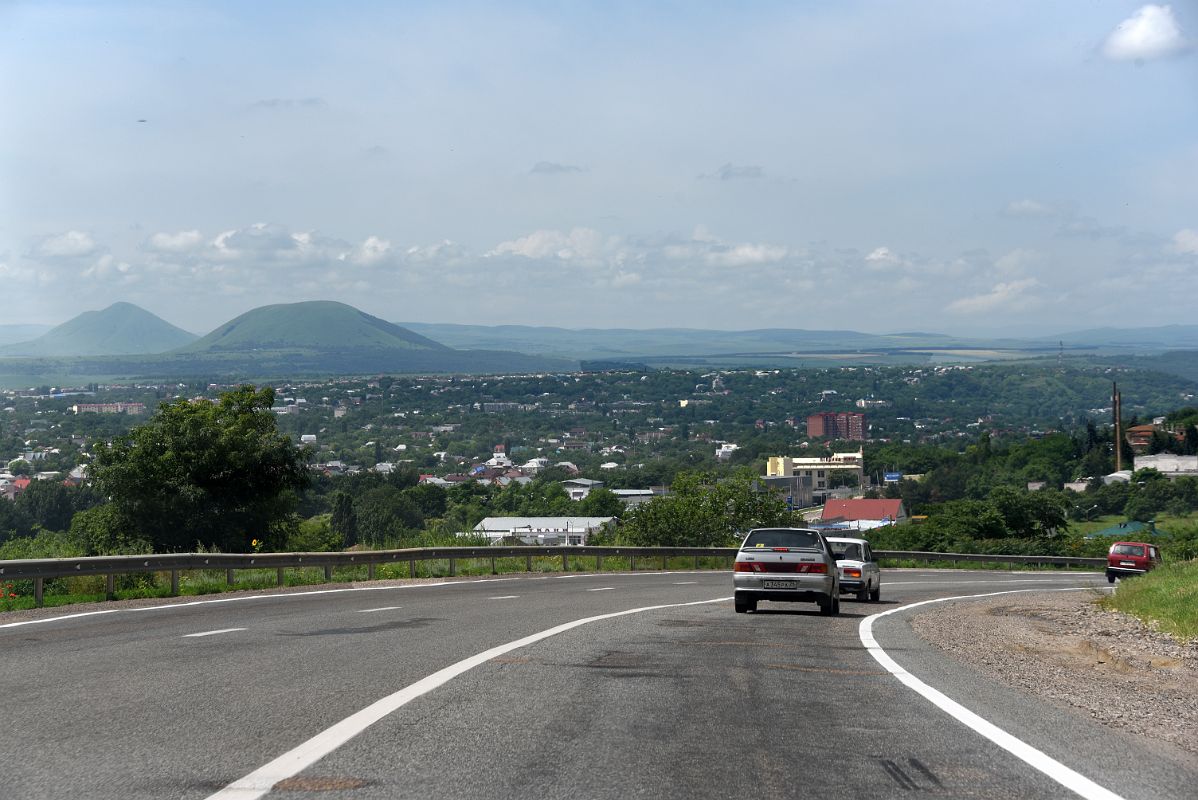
780,566
852,572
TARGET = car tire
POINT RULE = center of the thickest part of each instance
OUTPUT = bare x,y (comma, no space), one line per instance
1110,578
875,594
743,604
830,607
863,595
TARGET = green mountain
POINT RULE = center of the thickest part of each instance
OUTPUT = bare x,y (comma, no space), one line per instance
313,326
120,329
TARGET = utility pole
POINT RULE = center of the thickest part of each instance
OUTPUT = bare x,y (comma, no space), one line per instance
1117,412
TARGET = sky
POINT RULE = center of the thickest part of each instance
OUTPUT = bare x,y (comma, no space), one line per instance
953,167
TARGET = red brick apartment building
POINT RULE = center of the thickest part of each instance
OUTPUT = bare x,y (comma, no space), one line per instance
845,425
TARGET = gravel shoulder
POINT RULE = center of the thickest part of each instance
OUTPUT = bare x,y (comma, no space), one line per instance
1065,648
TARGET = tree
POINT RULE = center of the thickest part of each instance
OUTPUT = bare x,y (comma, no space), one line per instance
385,512
218,474
343,521
704,512
13,521
601,502
47,503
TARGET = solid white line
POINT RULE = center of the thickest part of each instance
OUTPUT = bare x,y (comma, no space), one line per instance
1071,780
684,583
384,608
211,633
291,763
602,589
505,597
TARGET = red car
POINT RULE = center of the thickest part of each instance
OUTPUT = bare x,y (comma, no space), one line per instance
1130,558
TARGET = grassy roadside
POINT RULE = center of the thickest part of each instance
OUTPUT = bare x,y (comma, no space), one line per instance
1167,597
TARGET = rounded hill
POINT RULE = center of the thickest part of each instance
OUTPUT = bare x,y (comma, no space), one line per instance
319,325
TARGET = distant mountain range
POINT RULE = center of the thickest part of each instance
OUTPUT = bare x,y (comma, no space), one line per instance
320,338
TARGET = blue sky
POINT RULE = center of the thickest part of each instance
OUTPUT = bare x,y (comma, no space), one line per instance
942,166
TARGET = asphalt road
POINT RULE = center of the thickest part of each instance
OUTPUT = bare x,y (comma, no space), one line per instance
683,701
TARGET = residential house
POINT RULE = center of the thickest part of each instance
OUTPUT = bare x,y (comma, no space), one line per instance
861,515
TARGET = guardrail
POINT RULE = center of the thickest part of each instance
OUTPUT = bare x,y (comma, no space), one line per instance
39,570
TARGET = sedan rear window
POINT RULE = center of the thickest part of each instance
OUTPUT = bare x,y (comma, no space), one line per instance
846,550
780,537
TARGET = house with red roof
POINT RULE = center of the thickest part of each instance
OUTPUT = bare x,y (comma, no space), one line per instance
862,515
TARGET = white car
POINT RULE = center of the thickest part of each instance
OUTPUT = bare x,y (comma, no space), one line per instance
859,573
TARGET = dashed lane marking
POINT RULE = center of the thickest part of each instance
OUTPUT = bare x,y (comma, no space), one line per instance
384,608
211,633
602,589
504,597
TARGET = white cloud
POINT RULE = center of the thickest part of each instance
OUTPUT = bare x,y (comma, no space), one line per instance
579,244
742,255
1018,261
1012,296
1186,241
371,251
1151,32
72,244
181,242
109,269
881,257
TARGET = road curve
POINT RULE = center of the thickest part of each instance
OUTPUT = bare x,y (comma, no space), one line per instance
185,700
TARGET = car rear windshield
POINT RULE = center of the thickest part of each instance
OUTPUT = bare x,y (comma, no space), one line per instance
780,537
1127,550
846,550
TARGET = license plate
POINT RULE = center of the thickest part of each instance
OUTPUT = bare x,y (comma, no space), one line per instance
1127,563
779,584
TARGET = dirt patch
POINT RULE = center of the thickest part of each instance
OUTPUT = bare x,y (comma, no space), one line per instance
1063,647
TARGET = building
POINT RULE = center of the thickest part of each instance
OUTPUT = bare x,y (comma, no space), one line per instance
861,515
109,408
817,471
579,488
846,425
1169,465
541,530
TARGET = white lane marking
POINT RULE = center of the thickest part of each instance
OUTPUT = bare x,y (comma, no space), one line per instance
295,761
246,597
211,633
684,583
1071,780
504,597
602,589
384,608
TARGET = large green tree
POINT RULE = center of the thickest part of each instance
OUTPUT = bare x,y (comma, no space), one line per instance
215,474
705,512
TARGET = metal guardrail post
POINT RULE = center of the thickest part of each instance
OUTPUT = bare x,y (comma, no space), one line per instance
279,578
632,562
528,563
599,563
110,586
565,562
39,591
696,561
174,583
453,569
412,567
230,578
494,571
328,572
370,571
664,560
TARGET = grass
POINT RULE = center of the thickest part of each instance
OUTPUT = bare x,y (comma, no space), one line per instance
1166,598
